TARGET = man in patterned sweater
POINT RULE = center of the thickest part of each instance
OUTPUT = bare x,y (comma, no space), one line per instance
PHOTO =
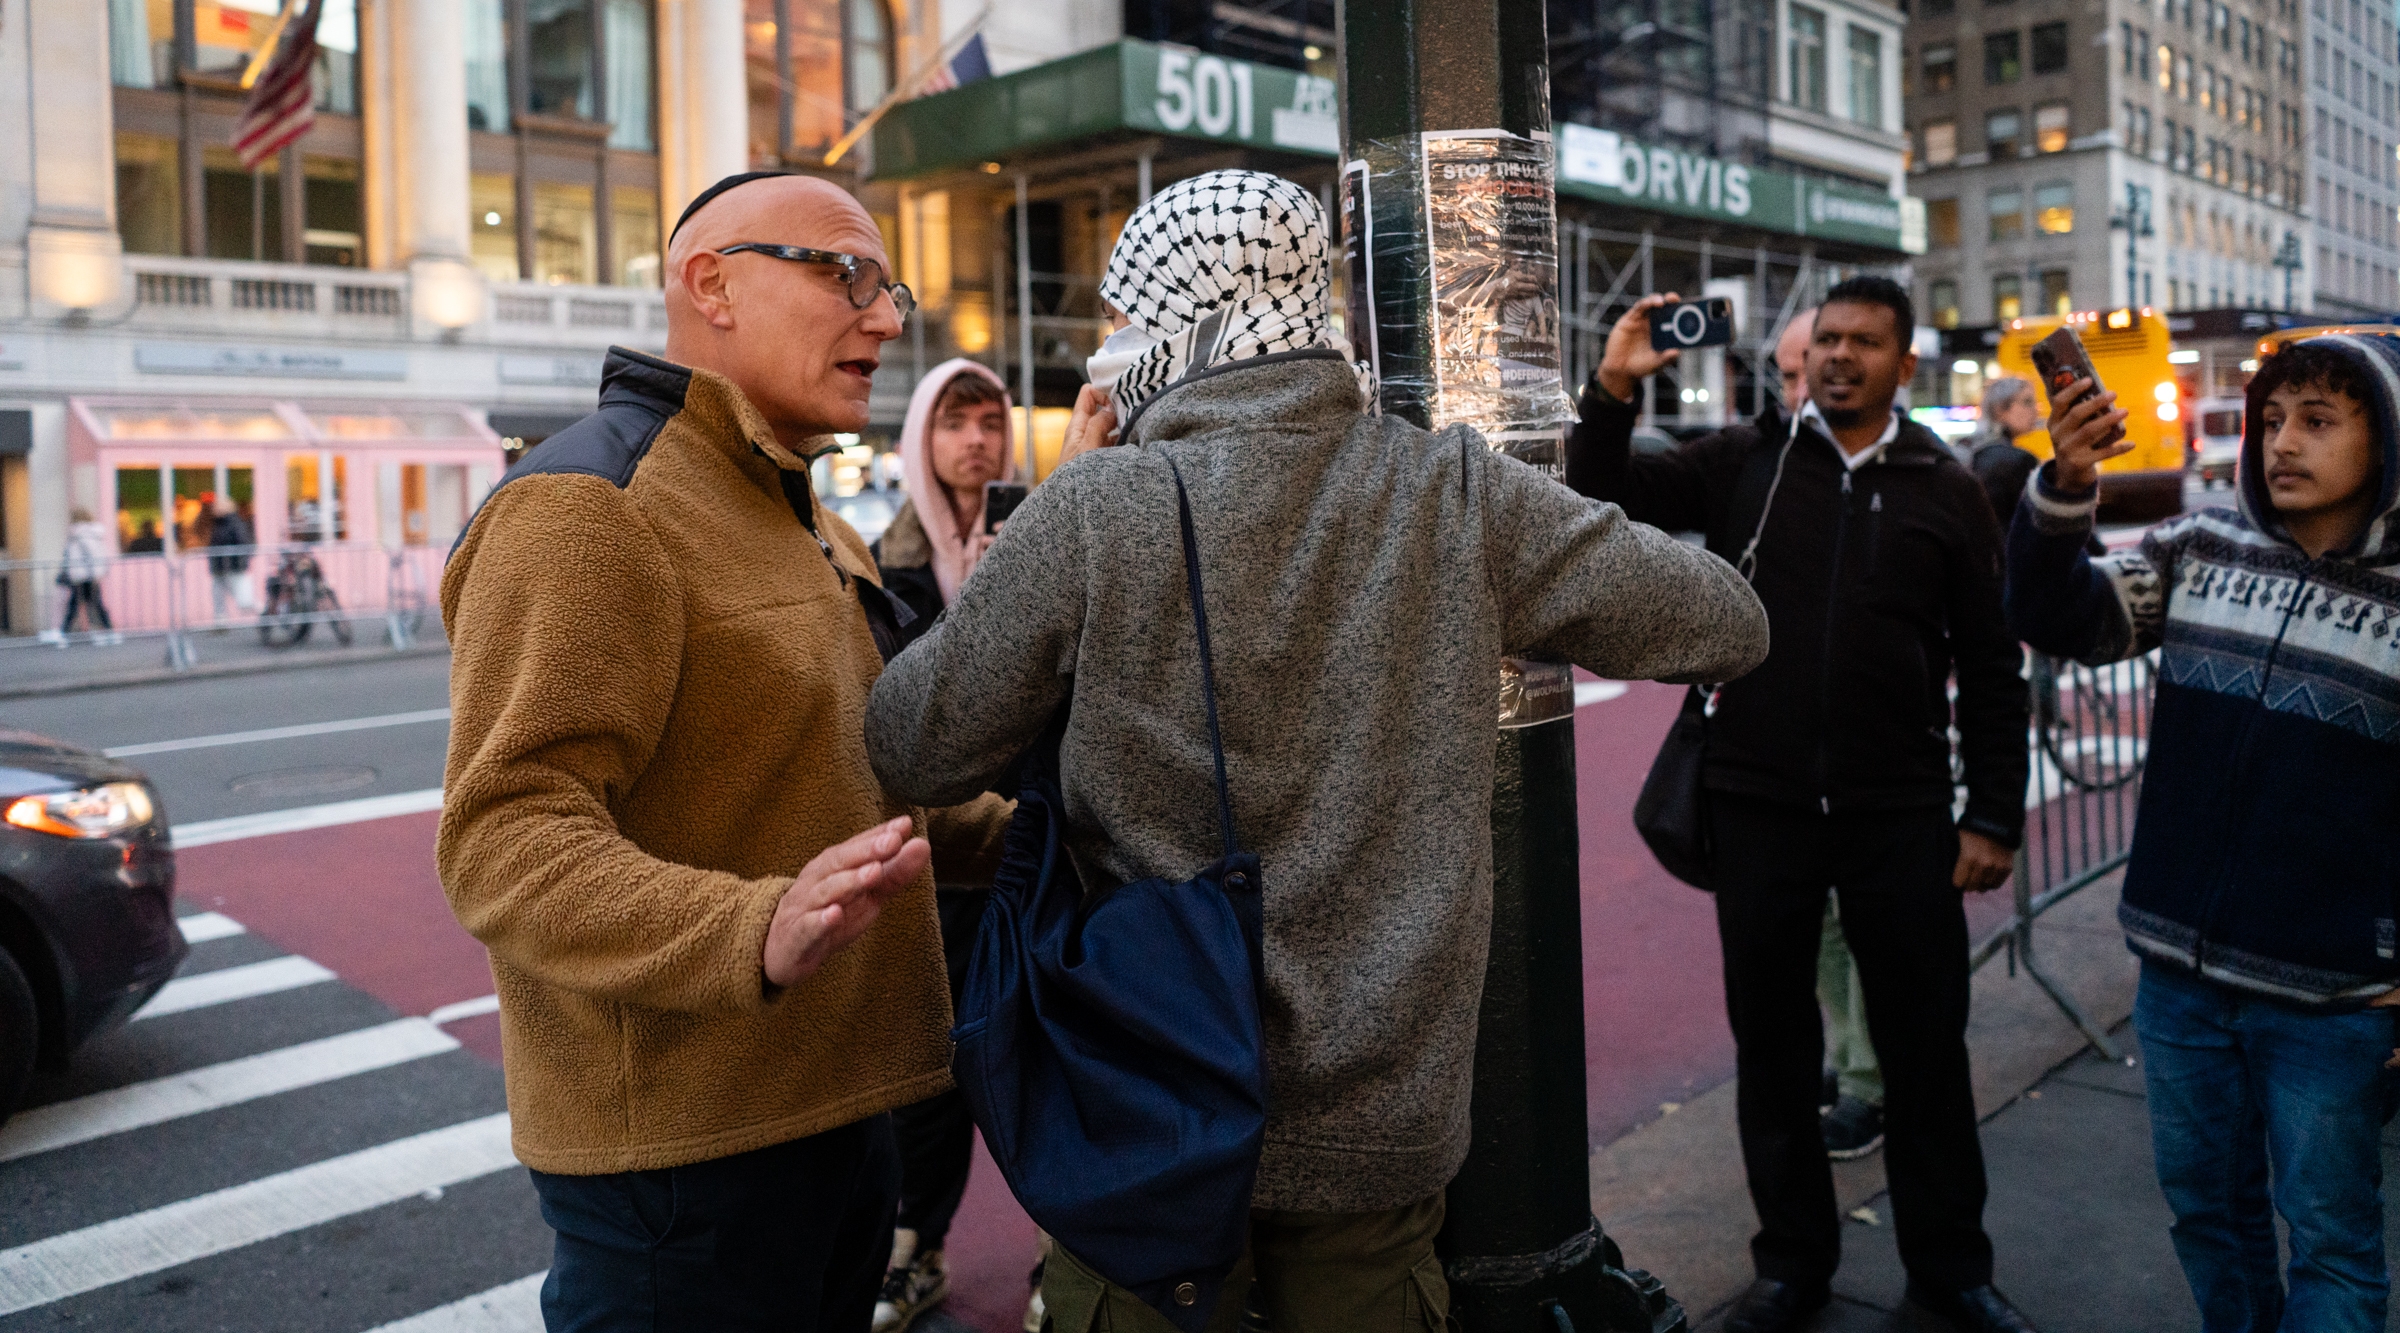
2261,895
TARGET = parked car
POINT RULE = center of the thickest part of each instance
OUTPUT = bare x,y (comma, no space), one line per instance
2219,441
87,890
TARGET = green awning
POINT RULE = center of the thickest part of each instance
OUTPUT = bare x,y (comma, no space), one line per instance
1133,89
1129,88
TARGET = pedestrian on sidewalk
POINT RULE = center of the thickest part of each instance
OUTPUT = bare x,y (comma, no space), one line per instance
82,564
229,572
1992,453
2259,893
1878,561
1362,580
711,930
956,438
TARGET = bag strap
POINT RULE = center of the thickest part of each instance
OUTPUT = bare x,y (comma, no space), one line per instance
1208,670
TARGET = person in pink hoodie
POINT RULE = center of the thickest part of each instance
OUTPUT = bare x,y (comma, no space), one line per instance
956,438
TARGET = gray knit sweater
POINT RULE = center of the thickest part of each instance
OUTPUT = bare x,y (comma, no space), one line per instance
1364,578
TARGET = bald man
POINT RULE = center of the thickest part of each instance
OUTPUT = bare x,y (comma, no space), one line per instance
711,930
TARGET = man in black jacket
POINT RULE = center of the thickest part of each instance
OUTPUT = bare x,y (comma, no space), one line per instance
1879,564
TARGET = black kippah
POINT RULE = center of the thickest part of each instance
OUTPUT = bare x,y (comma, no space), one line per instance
719,188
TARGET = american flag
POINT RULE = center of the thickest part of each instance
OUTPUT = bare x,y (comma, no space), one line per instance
283,103
967,66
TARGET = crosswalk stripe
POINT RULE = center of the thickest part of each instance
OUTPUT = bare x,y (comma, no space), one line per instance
201,927
233,983
210,831
475,1008
133,1106
513,1308
101,1255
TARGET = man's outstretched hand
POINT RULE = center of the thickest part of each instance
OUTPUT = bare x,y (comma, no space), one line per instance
1627,358
838,896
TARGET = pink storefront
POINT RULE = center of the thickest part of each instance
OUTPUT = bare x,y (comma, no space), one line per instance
379,490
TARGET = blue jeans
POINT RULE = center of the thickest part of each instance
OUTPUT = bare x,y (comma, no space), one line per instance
2240,1086
792,1238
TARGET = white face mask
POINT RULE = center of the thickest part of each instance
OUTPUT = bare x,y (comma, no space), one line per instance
1122,349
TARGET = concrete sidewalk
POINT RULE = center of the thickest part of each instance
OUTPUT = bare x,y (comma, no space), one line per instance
2078,1226
29,669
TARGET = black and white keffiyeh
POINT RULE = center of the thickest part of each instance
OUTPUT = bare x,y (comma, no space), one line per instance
1220,267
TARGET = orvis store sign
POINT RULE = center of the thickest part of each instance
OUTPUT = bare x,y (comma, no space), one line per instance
1606,166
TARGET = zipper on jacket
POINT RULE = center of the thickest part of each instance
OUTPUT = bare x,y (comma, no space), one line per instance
1833,593
2205,927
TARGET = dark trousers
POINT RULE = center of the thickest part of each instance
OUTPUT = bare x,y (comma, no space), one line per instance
84,596
792,1238
937,1136
1908,931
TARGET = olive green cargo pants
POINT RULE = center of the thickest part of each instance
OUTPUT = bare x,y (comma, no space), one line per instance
1316,1272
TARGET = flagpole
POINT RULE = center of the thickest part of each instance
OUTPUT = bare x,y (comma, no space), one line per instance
266,49
907,90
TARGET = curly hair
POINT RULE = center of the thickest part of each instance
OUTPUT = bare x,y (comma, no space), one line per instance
2313,364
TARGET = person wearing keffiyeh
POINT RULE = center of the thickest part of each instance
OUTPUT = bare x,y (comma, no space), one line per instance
1364,578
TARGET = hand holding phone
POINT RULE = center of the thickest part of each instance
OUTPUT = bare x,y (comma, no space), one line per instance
1000,499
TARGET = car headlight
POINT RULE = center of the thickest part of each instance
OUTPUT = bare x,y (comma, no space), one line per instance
94,812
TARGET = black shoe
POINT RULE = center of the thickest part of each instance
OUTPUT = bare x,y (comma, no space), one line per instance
1852,1129
1829,1092
1770,1306
1976,1310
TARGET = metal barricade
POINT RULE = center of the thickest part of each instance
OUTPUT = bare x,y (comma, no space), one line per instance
286,595
2089,739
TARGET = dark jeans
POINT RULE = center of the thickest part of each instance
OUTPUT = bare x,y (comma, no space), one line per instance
1908,932
84,595
792,1238
2238,1084
937,1137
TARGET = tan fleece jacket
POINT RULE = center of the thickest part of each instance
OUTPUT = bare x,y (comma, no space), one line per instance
658,685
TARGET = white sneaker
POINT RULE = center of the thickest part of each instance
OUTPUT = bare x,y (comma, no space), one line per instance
913,1284
52,636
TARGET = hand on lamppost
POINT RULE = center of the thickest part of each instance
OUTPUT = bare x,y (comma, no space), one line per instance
1628,358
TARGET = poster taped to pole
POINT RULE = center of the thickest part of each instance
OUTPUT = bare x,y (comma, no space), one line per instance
1491,220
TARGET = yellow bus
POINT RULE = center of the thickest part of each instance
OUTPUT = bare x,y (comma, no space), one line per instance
2129,350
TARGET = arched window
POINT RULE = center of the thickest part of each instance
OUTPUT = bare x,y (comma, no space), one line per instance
867,30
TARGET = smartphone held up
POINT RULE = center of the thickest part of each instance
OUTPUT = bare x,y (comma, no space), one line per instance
1686,324
1000,499
2060,360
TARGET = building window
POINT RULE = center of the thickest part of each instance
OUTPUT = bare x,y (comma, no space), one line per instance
2050,128
2001,132
2132,49
2166,68
870,66
1942,296
2054,207
149,195
487,67
565,234
2008,297
636,236
1941,222
1941,68
1866,76
558,58
2050,48
2006,208
625,31
492,235
241,209
1941,143
333,210
2055,298
1808,57
2003,58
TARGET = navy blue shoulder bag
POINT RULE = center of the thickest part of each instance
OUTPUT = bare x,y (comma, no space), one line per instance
1110,1047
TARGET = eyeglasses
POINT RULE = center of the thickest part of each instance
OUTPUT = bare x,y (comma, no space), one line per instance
865,276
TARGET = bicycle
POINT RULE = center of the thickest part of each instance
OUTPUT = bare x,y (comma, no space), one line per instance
298,597
2094,740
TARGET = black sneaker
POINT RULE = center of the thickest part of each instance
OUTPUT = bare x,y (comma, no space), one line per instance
1852,1129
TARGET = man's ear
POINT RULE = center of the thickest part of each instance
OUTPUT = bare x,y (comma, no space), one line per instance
705,281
